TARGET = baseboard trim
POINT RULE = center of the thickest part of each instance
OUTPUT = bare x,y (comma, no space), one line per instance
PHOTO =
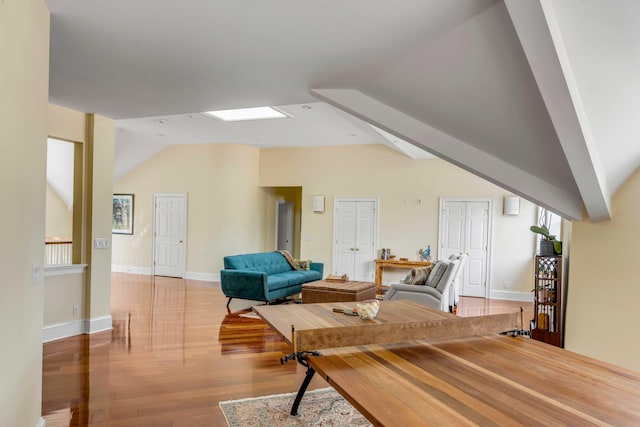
133,269
207,277
59,331
146,271
512,295
98,324
41,422
63,270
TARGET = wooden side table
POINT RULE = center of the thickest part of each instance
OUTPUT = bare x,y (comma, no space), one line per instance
382,263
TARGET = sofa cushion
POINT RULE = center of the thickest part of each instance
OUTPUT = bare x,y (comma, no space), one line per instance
277,281
447,277
311,275
266,262
436,273
298,277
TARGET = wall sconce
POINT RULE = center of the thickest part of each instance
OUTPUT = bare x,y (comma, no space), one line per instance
511,205
318,204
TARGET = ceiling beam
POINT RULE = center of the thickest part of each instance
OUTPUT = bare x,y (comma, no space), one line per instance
541,39
453,150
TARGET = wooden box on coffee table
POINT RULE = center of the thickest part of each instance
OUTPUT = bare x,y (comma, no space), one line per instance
331,291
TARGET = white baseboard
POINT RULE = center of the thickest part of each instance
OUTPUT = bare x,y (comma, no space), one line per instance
133,269
41,422
512,295
146,271
59,331
63,330
207,277
63,270
98,324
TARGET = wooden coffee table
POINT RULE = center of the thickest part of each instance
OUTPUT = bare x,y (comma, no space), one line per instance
331,291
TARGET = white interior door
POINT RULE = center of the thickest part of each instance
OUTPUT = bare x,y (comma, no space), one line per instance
464,227
365,252
355,237
345,238
284,226
170,235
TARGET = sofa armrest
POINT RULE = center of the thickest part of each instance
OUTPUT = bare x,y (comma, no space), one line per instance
421,294
317,266
422,289
244,284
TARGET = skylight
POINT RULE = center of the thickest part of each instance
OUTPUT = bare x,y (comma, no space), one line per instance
257,113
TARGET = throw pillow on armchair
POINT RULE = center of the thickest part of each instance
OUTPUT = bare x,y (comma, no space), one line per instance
417,276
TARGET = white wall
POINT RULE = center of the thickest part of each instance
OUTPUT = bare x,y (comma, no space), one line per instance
59,219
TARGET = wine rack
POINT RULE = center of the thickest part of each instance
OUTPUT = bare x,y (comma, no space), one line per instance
547,324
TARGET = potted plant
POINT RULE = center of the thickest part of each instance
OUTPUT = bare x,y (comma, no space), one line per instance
549,245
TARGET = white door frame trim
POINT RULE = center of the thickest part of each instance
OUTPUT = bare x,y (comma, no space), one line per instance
336,201
184,230
443,200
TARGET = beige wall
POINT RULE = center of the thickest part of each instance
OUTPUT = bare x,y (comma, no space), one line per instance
58,218
604,288
231,211
409,193
99,156
226,207
67,124
95,135
62,294
24,45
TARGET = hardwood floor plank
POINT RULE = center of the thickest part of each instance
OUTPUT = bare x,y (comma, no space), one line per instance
173,354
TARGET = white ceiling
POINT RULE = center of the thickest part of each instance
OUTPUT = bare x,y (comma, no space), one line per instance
540,97
311,124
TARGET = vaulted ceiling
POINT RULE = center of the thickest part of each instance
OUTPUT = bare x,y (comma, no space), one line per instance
540,97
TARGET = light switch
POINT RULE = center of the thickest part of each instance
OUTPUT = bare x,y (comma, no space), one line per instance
101,243
36,272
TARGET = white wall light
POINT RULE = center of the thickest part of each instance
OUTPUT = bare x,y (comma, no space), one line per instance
511,205
318,204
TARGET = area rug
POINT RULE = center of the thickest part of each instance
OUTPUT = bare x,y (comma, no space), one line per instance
323,407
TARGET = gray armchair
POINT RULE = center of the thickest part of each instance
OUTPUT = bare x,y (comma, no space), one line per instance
438,292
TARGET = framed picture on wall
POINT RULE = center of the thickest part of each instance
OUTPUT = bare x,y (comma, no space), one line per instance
122,220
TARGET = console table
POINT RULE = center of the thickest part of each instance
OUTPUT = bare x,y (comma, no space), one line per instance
392,263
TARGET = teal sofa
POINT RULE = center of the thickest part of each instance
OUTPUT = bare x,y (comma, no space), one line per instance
265,276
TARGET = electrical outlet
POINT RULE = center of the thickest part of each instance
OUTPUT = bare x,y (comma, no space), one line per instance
76,311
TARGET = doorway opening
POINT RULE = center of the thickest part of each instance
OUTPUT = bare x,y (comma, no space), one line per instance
284,226
284,219
63,218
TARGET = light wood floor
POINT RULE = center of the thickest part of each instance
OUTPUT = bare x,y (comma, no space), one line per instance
173,354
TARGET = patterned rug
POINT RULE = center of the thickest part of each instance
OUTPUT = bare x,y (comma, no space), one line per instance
323,407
